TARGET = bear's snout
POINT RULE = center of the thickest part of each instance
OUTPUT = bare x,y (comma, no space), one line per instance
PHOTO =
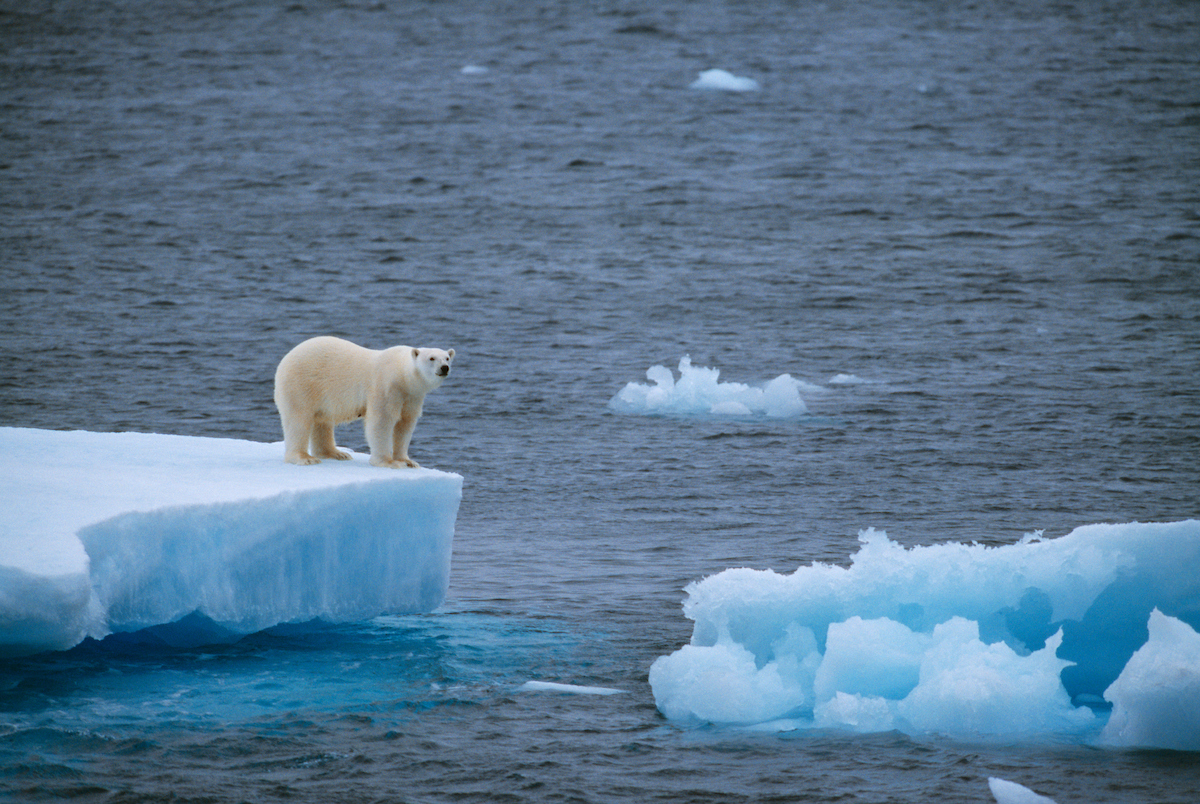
444,370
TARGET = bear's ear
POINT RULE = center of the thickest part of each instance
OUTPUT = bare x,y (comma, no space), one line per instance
416,352
450,354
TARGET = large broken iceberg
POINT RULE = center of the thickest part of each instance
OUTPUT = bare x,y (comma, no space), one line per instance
113,532
1030,639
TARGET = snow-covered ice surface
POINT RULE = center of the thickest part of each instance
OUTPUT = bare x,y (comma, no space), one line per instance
962,639
110,532
698,391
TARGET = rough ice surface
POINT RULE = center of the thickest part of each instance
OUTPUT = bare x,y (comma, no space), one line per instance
723,81
1156,699
699,392
111,532
1025,639
1006,792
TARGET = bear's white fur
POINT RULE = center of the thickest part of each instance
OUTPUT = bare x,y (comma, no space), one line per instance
326,381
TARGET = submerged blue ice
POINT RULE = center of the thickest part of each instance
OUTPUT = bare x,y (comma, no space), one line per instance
1034,638
116,532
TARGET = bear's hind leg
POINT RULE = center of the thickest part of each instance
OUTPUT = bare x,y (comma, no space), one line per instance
323,444
296,432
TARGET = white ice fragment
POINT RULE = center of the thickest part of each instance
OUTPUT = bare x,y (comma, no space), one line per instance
863,713
573,689
474,69
699,392
781,398
662,377
878,657
1156,699
1006,792
970,688
723,81
722,684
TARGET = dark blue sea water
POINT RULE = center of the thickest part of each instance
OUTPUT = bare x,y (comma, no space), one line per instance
989,211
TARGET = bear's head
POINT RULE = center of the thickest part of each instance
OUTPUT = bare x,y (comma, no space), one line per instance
433,364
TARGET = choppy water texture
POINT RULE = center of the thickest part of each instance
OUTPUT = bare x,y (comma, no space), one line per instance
988,212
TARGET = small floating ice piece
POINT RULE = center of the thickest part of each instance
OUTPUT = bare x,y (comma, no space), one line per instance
1007,792
574,689
724,81
699,392
474,69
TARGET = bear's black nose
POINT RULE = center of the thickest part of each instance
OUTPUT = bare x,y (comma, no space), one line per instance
444,370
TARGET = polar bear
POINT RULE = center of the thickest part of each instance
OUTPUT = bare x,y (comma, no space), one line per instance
326,381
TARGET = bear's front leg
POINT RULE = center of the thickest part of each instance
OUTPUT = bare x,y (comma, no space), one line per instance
402,434
379,438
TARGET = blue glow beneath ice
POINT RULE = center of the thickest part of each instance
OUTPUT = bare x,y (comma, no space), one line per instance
112,532
698,391
956,639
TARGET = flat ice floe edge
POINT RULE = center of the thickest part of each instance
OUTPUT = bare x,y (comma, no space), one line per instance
113,532
1031,640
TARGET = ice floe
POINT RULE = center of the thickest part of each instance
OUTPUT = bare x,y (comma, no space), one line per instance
108,532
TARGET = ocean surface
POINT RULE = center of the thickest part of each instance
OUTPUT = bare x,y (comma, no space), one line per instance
988,213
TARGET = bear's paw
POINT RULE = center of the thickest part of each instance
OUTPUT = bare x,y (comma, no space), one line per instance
403,463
